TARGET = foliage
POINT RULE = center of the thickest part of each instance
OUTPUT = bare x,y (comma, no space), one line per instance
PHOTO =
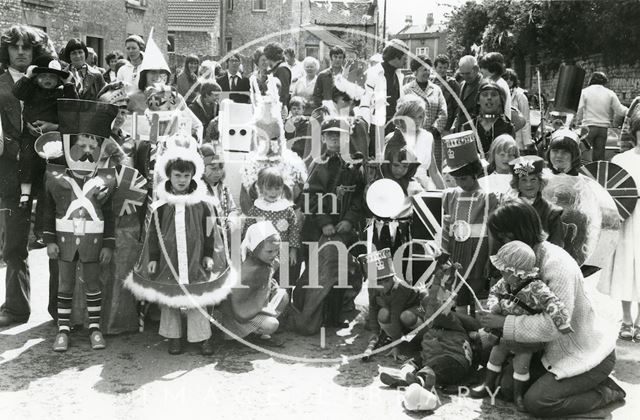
548,31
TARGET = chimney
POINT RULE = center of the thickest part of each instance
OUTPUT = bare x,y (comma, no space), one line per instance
430,20
408,20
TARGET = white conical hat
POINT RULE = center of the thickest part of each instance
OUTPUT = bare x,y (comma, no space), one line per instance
153,58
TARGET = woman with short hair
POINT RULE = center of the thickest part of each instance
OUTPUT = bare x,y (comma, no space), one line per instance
575,370
304,86
492,68
520,101
88,81
134,48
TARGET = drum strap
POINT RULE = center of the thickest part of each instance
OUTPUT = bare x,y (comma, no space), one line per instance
513,297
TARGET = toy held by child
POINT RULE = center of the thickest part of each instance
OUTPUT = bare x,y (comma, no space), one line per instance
177,268
39,89
519,292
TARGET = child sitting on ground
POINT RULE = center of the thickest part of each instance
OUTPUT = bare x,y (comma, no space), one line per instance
519,292
394,306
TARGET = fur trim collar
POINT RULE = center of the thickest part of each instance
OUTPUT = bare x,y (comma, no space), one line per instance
197,195
281,204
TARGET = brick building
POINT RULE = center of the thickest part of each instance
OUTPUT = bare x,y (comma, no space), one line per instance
247,21
426,39
102,24
193,27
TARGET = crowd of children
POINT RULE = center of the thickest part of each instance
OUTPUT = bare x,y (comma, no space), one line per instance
295,197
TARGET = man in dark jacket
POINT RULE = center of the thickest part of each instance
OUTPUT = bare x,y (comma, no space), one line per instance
470,72
324,83
277,67
234,82
206,107
18,46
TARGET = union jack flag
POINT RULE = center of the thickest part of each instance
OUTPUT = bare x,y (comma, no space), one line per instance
131,191
427,230
618,183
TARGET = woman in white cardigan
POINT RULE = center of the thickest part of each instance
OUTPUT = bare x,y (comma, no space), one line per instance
575,378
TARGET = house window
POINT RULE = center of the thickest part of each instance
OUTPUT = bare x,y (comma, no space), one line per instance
260,5
229,44
311,51
171,41
422,51
229,5
97,44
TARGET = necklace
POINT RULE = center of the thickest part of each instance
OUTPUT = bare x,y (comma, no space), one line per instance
461,229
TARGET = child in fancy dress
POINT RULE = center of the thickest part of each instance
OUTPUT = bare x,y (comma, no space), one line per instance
271,205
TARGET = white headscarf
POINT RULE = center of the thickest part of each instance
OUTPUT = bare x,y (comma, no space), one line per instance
255,235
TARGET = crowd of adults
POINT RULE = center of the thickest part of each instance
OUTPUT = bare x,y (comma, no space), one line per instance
572,371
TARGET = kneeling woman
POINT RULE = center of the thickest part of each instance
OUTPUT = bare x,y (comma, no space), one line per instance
254,307
574,377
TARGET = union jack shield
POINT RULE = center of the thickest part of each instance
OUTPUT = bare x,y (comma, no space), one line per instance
130,192
618,183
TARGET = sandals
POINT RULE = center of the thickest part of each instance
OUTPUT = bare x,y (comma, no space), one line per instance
627,332
636,333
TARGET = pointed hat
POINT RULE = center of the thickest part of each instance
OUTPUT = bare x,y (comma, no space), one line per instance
153,58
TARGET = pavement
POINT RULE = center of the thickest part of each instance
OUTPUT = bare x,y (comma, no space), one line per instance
135,377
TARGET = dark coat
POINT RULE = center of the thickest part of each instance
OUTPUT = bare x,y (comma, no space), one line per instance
452,105
92,85
203,115
468,96
550,216
242,85
330,177
502,125
323,88
10,115
39,104
400,298
283,74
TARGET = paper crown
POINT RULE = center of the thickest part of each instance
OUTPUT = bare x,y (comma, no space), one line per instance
180,146
381,260
526,165
114,93
461,150
209,154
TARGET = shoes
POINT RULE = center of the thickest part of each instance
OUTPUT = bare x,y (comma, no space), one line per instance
7,319
611,391
206,348
97,340
636,333
393,378
175,346
267,341
37,244
519,388
626,332
61,343
489,383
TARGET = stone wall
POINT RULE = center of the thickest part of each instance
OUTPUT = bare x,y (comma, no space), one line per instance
198,43
109,20
624,79
244,25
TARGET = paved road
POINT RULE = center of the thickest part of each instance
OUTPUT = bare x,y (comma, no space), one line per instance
135,378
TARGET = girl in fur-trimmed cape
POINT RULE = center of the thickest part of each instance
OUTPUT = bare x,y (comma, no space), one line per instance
183,263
